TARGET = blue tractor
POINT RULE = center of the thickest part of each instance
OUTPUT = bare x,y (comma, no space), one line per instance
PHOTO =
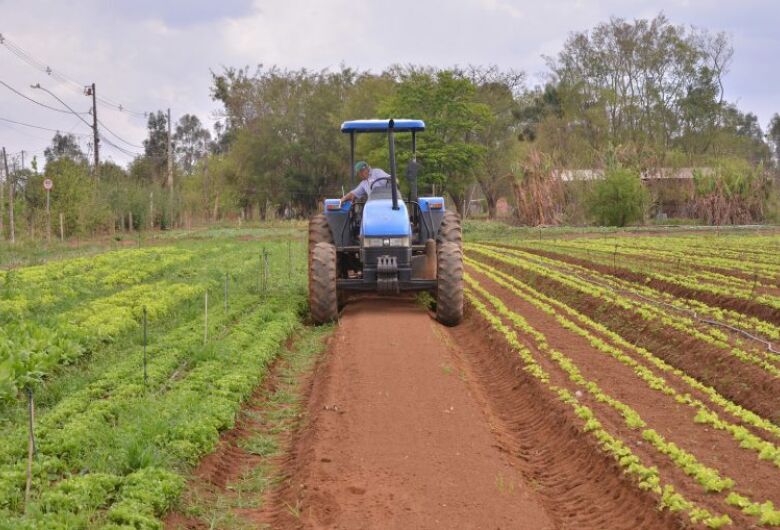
385,244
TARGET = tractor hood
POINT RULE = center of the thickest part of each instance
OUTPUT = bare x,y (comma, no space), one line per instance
379,219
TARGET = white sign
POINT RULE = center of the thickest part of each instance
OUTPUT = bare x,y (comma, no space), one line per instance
48,184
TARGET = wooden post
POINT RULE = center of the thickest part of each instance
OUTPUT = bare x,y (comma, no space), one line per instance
10,180
265,270
144,347
30,446
48,217
62,228
170,173
206,318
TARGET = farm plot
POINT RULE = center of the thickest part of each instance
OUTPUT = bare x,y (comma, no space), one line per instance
666,352
116,355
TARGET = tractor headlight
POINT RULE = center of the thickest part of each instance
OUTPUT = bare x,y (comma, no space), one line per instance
375,242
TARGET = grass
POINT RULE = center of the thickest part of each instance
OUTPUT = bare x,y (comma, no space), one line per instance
274,415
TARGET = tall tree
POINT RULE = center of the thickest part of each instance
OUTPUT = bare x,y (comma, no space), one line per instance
650,80
156,145
192,142
64,146
449,151
773,135
499,91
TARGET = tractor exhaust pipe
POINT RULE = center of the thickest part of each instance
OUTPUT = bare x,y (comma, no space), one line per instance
393,177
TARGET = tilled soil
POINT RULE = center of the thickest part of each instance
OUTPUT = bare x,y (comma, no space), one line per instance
747,307
715,448
413,425
745,384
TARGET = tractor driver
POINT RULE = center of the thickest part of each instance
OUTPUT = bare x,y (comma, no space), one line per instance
368,176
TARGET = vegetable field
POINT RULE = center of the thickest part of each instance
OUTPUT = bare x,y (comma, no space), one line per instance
664,351
132,362
627,381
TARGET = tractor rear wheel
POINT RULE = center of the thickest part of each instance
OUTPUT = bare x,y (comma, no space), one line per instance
323,298
450,230
449,291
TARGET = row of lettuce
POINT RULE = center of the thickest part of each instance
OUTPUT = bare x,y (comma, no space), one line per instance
747,430
746,269
113,451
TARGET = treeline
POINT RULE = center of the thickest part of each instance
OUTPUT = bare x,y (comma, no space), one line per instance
625,99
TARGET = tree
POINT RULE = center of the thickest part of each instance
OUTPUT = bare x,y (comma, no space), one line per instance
650,81
192,142
156,145
773,135
448,150
497,90
64,146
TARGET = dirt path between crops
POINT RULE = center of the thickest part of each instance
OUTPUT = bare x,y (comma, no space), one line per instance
412,425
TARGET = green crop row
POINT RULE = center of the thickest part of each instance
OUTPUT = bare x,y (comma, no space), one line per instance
647,478
646,311
708,478
616,347
35,288
161,429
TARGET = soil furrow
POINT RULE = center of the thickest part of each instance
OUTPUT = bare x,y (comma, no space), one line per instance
711,447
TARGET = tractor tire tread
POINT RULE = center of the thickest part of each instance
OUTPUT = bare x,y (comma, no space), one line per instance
323,297
450,229
449,291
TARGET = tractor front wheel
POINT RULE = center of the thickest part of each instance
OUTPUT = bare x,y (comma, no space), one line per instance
323,298
449,291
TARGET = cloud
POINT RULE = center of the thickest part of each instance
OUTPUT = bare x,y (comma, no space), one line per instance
150,55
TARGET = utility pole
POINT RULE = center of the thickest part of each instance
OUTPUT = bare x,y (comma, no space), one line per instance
90,91
2,200
10,197
170,172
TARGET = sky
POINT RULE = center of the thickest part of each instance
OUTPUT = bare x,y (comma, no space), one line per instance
149,55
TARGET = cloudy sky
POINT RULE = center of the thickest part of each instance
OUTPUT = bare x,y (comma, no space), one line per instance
147,55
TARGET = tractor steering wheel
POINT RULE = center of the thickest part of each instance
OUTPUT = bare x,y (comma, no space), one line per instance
378,180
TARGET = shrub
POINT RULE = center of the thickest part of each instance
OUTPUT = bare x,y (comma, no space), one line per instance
619,199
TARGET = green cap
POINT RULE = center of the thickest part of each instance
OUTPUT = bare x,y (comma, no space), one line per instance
360,165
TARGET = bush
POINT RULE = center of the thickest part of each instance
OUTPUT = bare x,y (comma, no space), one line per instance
733,192
619,199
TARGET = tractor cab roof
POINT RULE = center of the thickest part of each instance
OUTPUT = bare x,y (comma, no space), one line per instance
400,125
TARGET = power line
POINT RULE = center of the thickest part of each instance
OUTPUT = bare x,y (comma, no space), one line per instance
51,72
103,125
52,94
12,89
39,127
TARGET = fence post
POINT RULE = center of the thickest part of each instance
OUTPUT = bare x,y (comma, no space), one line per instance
145,376
30,445
265,270
206,318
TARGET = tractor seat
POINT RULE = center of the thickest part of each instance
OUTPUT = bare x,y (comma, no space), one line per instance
382,192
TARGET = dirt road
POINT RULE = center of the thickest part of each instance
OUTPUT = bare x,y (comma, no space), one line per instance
413,425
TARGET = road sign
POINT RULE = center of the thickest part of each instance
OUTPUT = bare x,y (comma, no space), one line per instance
48,184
